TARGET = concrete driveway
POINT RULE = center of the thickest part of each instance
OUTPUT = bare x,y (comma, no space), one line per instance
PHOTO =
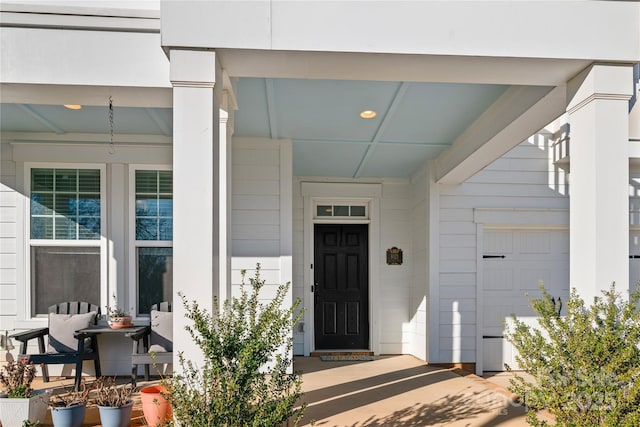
401,391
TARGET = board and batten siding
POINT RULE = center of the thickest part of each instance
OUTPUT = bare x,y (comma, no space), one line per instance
523,178
391,294
8,240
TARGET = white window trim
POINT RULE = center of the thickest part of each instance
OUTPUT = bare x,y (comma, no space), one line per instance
132,285
101,243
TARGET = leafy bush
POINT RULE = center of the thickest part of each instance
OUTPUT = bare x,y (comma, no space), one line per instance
246,347
586,365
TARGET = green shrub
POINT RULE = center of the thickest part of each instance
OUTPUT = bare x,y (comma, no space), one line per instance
245,379
586,365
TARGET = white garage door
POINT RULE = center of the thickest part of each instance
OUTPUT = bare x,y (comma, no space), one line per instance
634,257
514,263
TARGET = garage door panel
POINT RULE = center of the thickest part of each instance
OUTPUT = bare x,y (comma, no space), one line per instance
498,242
510,282
498,279
535,242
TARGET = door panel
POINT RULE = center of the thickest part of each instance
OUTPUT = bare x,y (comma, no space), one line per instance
341,287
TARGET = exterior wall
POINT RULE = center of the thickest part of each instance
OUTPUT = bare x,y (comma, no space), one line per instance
390,289
523,178
8,243
261,213
418,301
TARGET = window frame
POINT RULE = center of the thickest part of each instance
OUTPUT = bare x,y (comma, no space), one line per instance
101,243
134,244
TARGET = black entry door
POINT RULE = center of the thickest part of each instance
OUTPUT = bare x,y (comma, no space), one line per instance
341,291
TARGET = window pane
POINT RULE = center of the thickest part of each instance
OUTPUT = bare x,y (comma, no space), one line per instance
41,204
166,229
65,204
41,179
89,180
358,211
166,205
155,277
89,228
165,179
65,228
42,227
66,180
61,274
341,211
146,229
146,182
89,205
146,206
324,210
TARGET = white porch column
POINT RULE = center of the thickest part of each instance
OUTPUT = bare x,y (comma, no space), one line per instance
599,200
195,79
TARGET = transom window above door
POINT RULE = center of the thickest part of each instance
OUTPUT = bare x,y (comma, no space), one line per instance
355,211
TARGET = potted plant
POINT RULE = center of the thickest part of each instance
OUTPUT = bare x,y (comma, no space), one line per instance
116,317
19,402
68,408
155,406
114,402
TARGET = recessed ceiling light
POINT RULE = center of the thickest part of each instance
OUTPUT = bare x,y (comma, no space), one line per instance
368,114
73,106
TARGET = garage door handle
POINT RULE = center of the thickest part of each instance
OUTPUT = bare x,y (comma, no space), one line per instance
493,256
492,336
634,256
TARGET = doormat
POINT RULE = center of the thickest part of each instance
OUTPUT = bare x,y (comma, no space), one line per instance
347,358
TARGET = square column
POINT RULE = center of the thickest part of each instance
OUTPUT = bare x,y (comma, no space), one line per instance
599,179
195,76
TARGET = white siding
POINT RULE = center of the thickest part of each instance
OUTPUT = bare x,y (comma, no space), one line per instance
257,217
8,238
522,178
418,303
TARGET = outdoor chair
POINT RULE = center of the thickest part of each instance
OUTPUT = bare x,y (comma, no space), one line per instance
155,344
65,346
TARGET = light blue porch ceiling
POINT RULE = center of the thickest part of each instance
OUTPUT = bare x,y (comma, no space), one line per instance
415,122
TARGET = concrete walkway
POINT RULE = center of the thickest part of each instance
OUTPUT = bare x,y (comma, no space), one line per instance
390,391
401,391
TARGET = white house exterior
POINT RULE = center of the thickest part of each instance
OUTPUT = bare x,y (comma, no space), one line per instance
236,140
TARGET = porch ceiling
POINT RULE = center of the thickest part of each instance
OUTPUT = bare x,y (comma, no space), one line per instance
415,121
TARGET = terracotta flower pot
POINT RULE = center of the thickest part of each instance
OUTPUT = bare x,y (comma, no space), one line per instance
120,322
155,407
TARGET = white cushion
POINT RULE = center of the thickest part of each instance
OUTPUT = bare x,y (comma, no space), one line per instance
62,328
162,329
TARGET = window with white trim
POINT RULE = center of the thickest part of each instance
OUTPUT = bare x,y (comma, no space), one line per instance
65,229
153,242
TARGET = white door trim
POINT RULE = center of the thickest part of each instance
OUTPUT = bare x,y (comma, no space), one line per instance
371,193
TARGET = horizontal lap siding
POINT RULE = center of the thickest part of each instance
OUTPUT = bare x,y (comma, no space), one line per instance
8,238
256,217
417,327
395,280
522,178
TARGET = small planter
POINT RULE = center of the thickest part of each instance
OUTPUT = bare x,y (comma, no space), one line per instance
155,407
13,411
68,416
115,416
120,322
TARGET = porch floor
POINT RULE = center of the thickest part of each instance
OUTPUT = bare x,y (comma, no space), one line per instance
388,391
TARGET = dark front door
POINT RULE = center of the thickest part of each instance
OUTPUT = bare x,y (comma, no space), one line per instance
341,291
